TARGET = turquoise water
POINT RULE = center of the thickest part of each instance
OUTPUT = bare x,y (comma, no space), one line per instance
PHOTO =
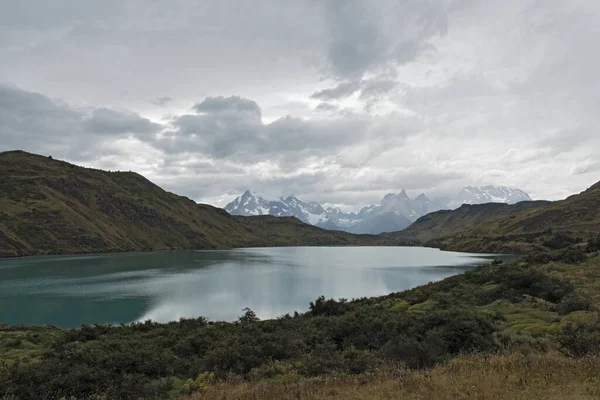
67,291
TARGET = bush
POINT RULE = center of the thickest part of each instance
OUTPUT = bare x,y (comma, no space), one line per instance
539,257
572,255
593,244
560,240
328,307
580,339
573,302
201,382
519,281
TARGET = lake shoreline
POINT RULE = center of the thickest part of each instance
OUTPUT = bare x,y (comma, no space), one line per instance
120,251
70,290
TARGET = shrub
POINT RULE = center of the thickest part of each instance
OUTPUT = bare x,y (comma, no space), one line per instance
539,257
328,307
573,302
581,338
201,382
560,240
572,255
593,244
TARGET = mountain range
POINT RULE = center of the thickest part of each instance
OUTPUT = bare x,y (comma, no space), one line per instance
53,207
395,212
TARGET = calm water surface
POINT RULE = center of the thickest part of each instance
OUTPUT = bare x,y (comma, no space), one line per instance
67,291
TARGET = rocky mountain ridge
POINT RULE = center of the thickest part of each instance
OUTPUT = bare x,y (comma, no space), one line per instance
395,212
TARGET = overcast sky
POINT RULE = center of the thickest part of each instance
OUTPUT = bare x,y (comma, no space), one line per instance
335,101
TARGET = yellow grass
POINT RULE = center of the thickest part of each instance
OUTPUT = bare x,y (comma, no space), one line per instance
514,376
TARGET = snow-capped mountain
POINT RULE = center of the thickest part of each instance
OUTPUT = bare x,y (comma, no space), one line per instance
249,203
488,194
395,211
340,218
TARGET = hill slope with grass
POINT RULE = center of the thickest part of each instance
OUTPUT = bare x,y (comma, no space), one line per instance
521,227
53,207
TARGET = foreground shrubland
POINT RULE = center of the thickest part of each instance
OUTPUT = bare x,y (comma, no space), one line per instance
521,328
511,376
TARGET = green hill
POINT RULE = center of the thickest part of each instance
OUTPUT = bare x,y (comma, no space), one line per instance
521,227
52,207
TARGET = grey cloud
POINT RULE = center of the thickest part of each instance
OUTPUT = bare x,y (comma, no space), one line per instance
34,122
235,104
326,107
416,178
343,89
376,87
111,121
162,101
584,167
567,140
368,88
231,128
357,42
368,35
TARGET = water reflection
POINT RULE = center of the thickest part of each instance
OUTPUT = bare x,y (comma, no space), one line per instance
115,288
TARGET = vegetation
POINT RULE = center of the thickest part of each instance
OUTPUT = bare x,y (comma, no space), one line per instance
519,317
51,207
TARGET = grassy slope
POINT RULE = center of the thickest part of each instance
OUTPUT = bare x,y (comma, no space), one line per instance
496,227
49,206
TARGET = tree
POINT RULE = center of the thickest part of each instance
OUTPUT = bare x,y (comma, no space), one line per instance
249,316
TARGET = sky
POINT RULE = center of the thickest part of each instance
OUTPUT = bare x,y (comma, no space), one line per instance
333,101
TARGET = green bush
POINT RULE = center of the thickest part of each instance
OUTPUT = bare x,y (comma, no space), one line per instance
572,255
200,383
560,240
581,338
573,302
593,244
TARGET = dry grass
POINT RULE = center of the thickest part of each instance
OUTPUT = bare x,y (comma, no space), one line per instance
514,376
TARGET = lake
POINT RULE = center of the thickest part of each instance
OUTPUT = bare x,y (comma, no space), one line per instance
67,291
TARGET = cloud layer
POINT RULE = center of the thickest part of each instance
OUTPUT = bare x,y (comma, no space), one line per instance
338,102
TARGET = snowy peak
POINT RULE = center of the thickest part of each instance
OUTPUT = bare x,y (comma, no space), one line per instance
421,199
250,203
395,211
488,194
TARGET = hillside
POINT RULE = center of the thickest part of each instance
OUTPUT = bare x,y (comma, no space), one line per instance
500,227
51,207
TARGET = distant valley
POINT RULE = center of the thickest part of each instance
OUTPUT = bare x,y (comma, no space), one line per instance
394,212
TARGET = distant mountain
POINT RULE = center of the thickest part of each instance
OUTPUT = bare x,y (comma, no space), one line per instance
508,228
394,213
380,223
488,194
249,203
